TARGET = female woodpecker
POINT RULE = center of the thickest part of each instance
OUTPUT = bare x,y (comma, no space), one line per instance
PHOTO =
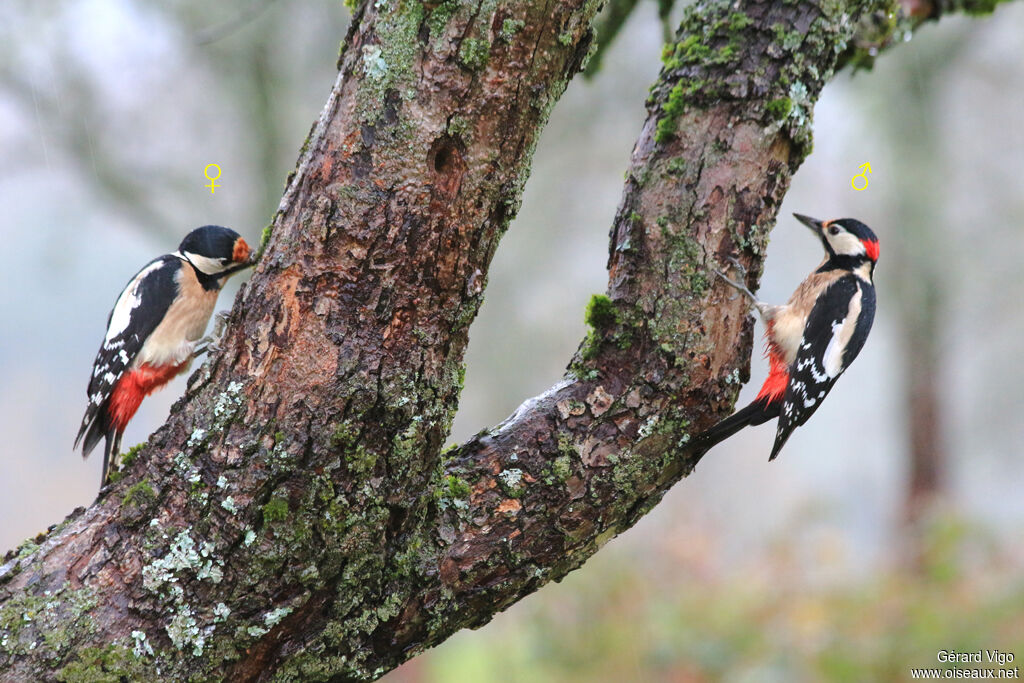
153,330
812,339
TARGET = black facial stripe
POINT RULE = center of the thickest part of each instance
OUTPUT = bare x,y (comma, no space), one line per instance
857,229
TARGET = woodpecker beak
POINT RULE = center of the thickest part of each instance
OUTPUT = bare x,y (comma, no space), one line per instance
249,263
814,224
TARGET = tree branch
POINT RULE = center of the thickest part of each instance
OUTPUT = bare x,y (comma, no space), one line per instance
295,517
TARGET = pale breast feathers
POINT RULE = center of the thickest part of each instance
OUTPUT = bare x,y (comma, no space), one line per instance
789,321
185,320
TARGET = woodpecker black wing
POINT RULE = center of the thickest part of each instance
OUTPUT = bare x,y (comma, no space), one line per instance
836,330
140,307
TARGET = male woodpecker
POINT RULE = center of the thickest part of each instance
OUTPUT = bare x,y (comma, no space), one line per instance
153,330
812,339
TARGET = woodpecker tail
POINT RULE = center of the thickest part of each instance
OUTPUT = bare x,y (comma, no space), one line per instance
98,425
780,440
758,412
111,448
94,427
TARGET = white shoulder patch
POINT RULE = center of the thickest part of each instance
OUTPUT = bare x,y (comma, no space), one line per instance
129,300
841,333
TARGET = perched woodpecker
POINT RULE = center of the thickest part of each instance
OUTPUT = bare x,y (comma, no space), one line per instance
154,329
814,337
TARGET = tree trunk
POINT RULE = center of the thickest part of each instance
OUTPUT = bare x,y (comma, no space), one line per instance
295,518
919,293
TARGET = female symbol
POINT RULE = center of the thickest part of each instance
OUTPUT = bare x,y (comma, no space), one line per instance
206,172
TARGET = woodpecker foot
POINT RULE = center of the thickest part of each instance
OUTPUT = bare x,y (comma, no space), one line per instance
220,321
202,346
738,286
211,342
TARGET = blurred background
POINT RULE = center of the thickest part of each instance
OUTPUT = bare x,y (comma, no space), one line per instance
891,528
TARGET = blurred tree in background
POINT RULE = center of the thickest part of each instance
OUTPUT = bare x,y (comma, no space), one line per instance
134,96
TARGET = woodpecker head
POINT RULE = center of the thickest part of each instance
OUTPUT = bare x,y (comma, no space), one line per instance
844,238
215,252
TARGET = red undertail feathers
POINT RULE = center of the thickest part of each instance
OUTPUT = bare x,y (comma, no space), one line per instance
134,386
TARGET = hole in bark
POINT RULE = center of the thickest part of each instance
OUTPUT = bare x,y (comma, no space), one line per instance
446,159
442,159
446,156
392,103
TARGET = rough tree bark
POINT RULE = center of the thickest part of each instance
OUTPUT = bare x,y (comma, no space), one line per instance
295,518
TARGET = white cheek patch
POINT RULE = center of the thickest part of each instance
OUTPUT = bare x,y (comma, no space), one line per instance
209,266
846,244
126,303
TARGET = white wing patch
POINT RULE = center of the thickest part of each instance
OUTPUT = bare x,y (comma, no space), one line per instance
816,373
129,300
841,333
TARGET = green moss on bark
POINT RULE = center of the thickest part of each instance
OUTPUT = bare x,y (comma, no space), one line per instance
600,312
139,495
779,108
128,458
475,53
509,28
47,622
437,20
702,67
276,510
112,663
388,64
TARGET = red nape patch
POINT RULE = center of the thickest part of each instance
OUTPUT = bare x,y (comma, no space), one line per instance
871,247
778,377
241,252
135,386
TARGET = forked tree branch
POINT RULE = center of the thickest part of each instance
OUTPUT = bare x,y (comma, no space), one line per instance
295,518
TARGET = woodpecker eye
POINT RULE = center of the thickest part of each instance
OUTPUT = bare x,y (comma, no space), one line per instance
833,230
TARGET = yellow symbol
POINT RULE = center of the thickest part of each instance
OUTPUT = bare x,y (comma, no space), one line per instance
206,172
866,167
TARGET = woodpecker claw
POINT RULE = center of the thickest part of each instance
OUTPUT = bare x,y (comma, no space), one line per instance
220,321
738,286
211,342
738,266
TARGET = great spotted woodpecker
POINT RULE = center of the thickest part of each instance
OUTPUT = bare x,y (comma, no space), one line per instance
814,337
153,331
